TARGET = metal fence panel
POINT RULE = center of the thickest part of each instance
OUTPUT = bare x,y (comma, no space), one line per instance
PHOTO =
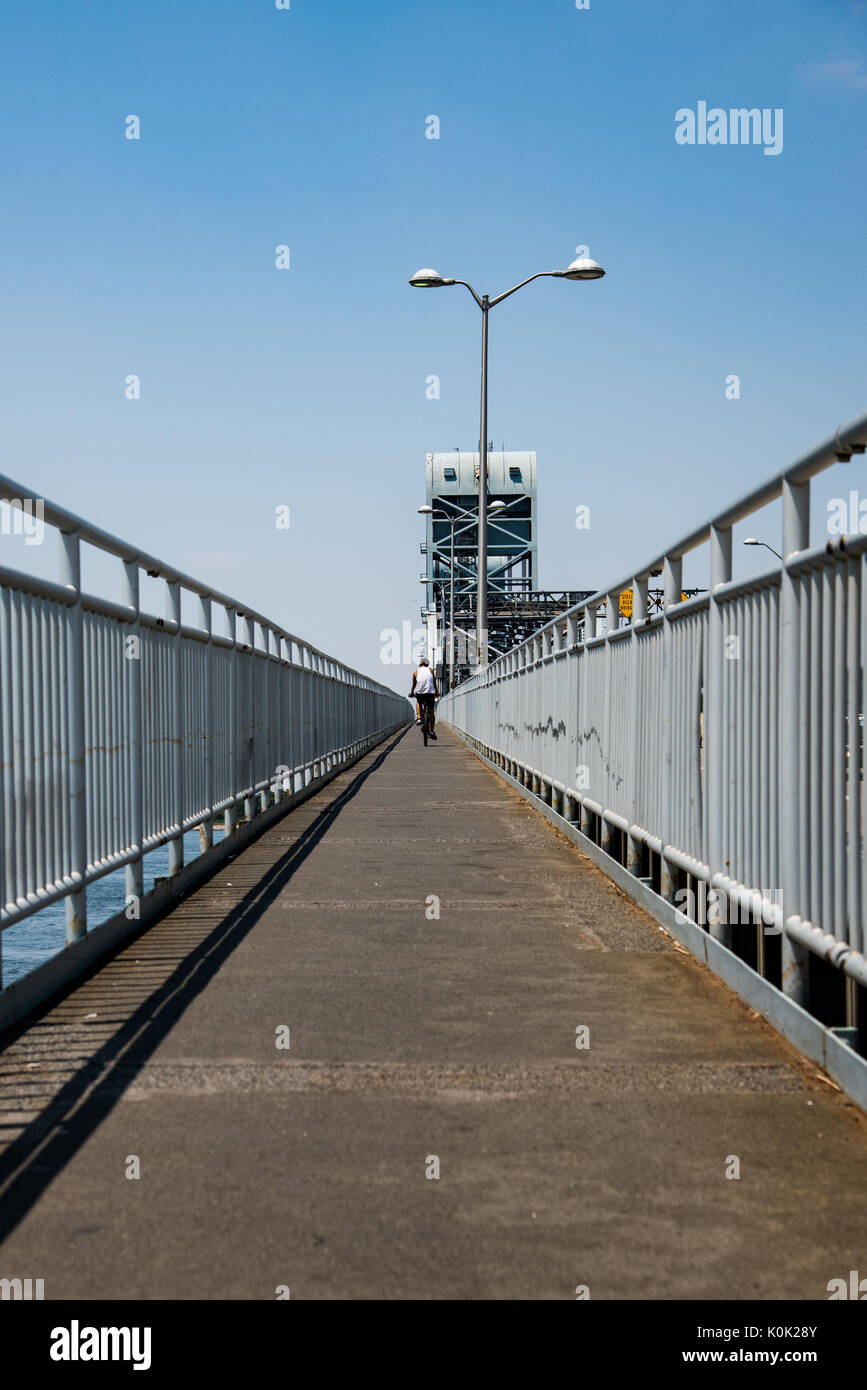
119,731
725,736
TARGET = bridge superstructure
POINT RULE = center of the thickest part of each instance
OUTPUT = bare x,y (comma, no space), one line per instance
516,605
452,491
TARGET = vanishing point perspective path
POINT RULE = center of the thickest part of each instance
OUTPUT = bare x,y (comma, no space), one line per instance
411,1044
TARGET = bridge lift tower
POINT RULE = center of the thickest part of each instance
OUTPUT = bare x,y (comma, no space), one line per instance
516,606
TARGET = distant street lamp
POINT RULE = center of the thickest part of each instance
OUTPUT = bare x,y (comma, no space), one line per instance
752,541
582,269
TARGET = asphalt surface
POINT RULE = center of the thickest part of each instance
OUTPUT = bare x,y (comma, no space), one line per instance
432,945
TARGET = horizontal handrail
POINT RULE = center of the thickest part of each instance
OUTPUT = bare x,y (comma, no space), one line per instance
847,440
69,524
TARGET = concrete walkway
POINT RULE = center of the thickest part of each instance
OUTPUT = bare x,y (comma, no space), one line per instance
416,1037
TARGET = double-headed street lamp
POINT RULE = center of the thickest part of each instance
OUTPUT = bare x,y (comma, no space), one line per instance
447,516
582,269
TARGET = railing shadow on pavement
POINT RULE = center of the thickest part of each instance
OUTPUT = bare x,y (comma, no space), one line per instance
65,1121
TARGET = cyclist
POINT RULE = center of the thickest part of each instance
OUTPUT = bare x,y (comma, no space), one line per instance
424,690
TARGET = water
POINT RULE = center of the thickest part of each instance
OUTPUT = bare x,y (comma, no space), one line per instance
41,936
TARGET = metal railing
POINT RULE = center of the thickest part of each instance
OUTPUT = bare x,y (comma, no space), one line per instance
715,748
121,731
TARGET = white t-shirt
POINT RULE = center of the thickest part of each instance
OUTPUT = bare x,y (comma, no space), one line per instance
424,681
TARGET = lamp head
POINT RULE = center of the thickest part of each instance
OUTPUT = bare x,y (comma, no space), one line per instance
427,279
583,269
425,511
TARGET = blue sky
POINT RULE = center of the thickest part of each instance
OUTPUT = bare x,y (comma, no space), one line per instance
306,387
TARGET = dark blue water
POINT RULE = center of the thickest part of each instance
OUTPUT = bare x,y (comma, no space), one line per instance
41,936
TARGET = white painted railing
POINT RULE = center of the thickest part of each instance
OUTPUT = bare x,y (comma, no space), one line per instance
120,731
715,749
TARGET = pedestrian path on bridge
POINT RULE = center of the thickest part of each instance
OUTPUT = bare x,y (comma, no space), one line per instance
431,950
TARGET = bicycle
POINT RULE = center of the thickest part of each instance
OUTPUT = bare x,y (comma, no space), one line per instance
426,712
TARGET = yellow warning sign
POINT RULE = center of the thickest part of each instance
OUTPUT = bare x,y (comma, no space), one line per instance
625,603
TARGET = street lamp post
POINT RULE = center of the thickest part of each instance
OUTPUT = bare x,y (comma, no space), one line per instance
751,540
482,563
582,269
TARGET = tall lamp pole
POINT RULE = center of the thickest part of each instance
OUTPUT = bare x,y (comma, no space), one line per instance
582,269
482,563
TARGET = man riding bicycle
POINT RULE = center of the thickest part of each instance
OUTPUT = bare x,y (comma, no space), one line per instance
424,689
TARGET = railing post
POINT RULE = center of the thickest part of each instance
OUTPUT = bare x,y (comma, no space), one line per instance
313,712
634,848
612,613
672,587
337,714
334,760
796,536
296,715
281,754
612,616
717,772
265,797
173,613
230,814
326,717
70,576
345,701
206,829
320,731
296,720
134,880
301,718
251,801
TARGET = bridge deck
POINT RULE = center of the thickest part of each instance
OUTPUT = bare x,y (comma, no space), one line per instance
413,1037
